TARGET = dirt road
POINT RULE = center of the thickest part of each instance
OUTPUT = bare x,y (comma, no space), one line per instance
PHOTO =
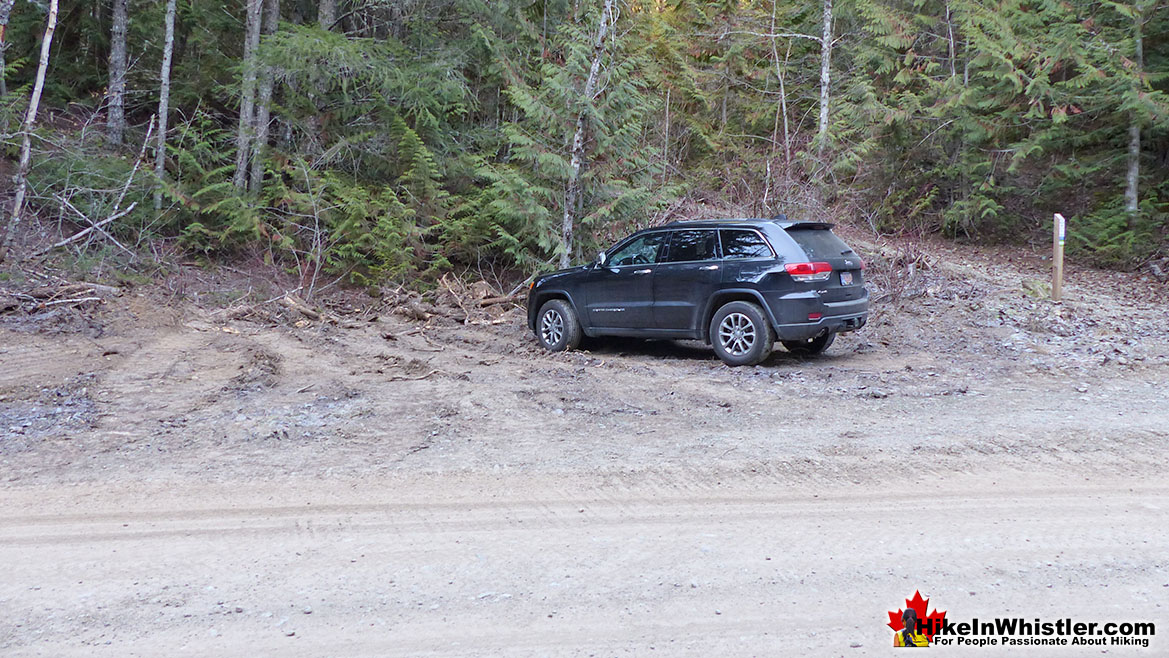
179,480
457,566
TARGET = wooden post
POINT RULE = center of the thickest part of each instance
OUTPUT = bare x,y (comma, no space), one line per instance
1059,233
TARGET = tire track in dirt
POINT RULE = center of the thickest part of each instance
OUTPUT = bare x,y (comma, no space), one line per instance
53,360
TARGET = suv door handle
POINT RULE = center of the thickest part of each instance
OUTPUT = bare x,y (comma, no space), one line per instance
642,271
709,267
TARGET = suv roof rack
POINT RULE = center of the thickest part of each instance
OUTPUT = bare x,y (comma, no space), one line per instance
780,220
723,220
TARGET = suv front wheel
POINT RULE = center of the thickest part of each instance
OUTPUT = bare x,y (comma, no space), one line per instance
557,328
741,334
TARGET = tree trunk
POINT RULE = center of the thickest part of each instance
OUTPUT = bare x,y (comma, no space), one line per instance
666,141
264,108
950,34
243,140
116,114
572,192
327,18
825,76
327,14
26,142
168,46
1131,190
781,73
5,12
787,142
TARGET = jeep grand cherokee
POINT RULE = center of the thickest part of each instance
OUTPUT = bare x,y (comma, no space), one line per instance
736,284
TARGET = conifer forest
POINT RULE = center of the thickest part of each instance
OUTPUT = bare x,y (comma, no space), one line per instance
393,140
287,367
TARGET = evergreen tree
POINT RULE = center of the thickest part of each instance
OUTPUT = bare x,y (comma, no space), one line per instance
525,195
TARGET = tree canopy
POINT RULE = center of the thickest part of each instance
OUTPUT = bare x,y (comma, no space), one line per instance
385,139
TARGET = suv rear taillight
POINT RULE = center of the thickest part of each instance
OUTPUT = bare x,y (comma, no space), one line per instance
806,272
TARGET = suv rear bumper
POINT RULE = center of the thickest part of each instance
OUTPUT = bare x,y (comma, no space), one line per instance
790,315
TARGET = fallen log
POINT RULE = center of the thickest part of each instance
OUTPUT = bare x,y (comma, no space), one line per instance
52,292
414,310
296,304
491,301
79,300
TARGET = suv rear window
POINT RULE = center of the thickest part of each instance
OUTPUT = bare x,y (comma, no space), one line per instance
819,243
741,243
686,246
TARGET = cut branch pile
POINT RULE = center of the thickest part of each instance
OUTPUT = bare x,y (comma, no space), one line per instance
289,308
454,301
897,274
55,296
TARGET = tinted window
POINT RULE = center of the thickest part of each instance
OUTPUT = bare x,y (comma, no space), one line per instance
741,243
819,243
642,251
693,245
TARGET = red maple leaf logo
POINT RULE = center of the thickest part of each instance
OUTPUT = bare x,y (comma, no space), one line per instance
930,623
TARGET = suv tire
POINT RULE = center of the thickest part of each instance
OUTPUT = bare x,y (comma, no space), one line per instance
741,334
557,328
810,347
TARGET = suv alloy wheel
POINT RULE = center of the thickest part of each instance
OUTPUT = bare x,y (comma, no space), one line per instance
557,328
741,334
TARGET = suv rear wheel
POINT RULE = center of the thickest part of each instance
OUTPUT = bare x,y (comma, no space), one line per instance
557,328
741,334
810,347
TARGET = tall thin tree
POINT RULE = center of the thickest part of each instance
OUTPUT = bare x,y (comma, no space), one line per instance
271,22
168,47
116,112
572,191
327,13
781,75
825,76
5,13
1133,175
30,119
247,103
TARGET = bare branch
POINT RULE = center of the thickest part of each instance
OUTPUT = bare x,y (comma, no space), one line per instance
81,234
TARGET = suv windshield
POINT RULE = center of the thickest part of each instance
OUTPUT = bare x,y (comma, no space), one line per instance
642,251
819,243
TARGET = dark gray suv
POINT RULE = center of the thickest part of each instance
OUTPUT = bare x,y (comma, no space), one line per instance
736,284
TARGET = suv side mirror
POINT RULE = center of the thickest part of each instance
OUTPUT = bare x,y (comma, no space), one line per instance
601,258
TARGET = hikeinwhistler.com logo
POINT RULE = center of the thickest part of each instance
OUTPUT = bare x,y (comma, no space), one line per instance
915,625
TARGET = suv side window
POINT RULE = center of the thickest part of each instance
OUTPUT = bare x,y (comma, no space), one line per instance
694,245
642,251
744,243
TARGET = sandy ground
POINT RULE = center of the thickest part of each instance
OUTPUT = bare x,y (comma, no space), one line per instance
174,481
